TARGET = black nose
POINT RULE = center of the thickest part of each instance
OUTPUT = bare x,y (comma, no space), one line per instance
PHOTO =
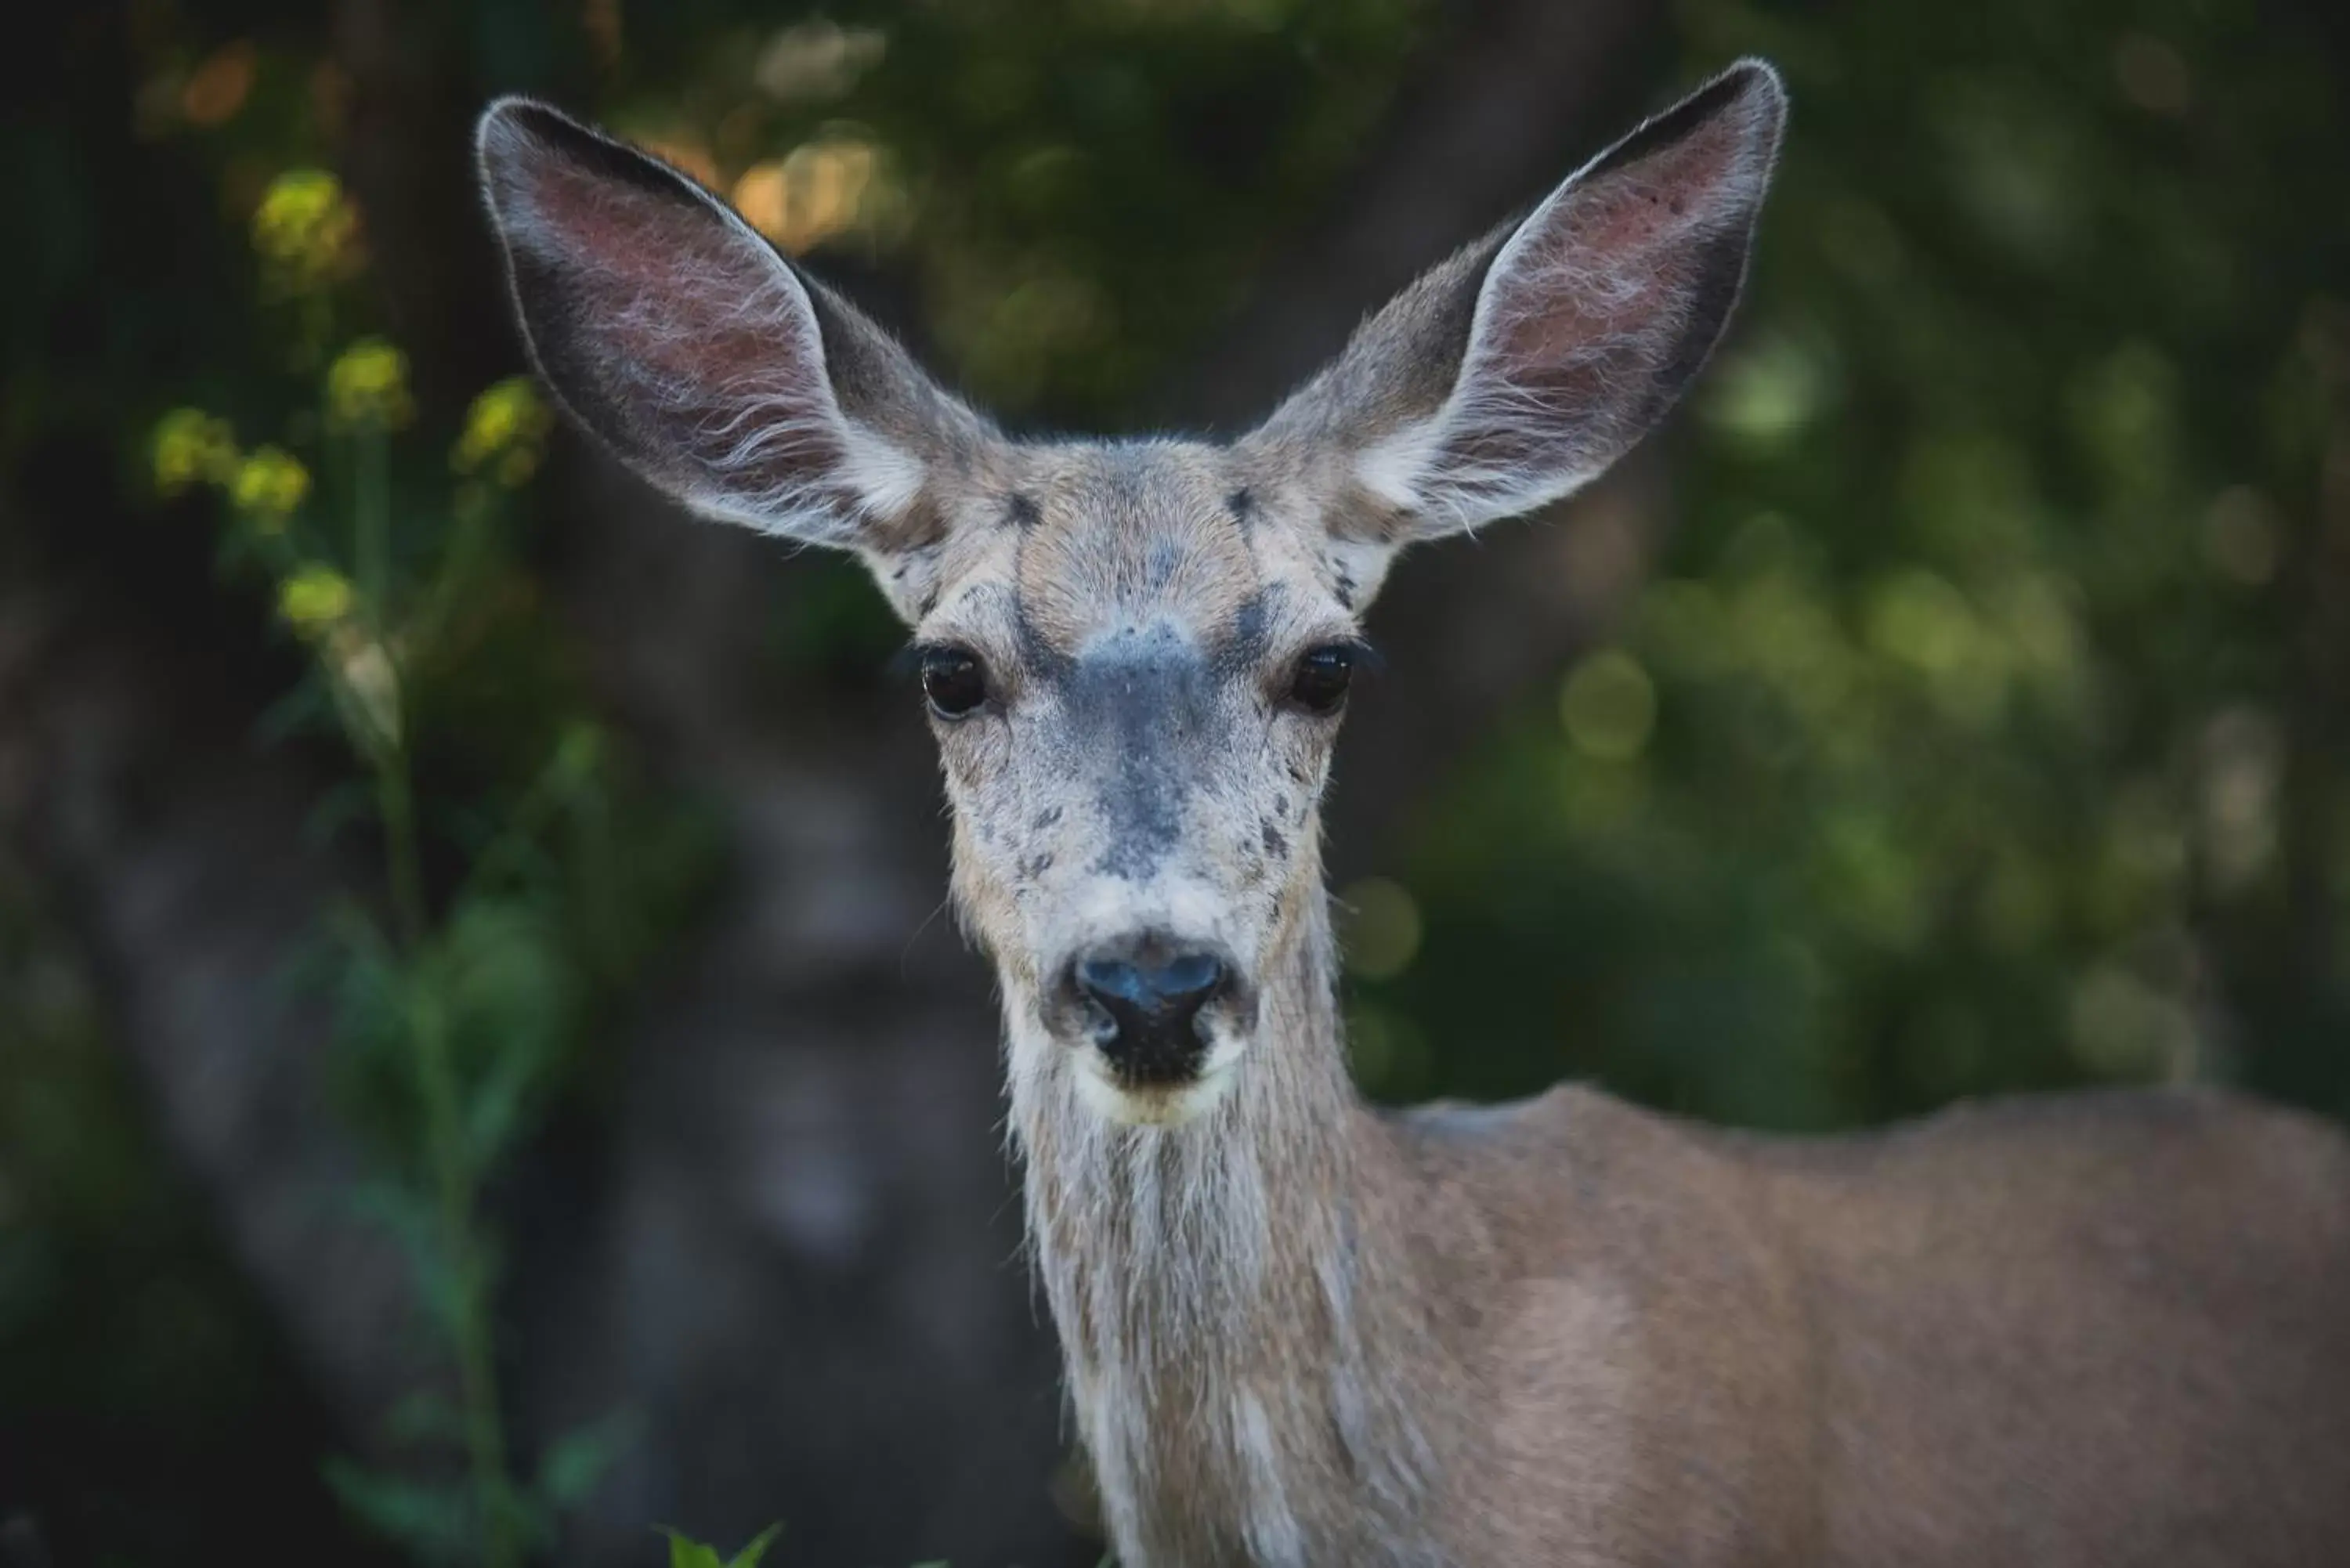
1145,999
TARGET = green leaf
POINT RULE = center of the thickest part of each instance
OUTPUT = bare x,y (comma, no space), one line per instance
432,1521
685,1551
576,1461
749,1556
513,1001
414,1223
497,1103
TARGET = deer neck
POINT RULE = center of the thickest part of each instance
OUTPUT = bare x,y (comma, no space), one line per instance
1230,1294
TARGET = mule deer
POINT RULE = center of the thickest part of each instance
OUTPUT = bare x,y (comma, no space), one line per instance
2105,1329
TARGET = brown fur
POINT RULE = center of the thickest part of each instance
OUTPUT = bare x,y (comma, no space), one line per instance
2110,1329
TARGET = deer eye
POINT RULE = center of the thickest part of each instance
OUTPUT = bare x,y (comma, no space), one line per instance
954,682
1320,684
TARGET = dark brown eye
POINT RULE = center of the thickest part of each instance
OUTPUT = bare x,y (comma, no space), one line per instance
953,680
1320,684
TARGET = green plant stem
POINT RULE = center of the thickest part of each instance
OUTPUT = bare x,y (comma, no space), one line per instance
371,524
396,801
455,1188
477,1370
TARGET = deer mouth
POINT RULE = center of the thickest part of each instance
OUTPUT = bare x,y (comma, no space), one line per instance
1162,1103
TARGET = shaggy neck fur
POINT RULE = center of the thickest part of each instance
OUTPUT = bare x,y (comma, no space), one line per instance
1234,1312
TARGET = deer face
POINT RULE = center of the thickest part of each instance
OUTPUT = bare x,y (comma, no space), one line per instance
1135,654
1135,665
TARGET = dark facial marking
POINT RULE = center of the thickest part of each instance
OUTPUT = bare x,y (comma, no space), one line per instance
1021,512
1274,843
1046,818
903,568
1144,699
1242,507
1244,645
1342,581
1036,650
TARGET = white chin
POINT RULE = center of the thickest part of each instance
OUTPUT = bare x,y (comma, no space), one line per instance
1153,1107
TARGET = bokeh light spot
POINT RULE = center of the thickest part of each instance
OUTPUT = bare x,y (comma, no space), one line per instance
2153,75
217,88
1608,705
1380,928
2239,536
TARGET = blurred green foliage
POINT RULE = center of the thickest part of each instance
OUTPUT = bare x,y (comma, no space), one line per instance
526,889
1979,728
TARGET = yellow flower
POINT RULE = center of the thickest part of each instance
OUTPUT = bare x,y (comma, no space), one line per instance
367,385
304,227
313,599
505,427
269,486
191,447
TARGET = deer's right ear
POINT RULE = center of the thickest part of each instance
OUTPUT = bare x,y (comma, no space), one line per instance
676,334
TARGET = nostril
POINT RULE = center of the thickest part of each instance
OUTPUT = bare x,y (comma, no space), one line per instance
1143,1009
1111,980
1182,984
1195,976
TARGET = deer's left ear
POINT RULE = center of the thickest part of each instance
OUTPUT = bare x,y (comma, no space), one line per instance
1517,372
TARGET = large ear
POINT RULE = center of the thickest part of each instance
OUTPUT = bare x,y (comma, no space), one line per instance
1517,371
678,337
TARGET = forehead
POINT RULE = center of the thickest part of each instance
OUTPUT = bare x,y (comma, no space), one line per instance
1067,546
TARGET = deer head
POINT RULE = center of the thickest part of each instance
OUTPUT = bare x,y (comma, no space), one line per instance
1135,653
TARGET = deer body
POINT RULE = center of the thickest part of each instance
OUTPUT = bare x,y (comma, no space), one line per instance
2111,1329
2094,1329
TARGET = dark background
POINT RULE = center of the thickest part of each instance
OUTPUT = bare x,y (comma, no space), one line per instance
1951,701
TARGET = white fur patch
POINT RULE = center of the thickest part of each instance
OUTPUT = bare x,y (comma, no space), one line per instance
885,478
1157,1107
1394,467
